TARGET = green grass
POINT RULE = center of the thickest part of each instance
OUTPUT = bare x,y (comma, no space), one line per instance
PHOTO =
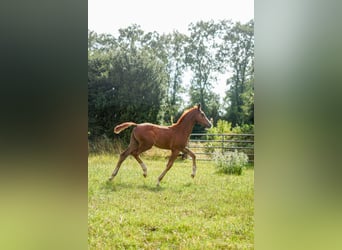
211,211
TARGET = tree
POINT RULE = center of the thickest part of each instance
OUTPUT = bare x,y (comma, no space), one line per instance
98,72
169,50
174,51
138,76
238,52
129,83
203,60
98,43
130,38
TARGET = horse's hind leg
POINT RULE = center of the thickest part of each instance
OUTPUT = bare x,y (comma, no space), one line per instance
173,157
142,148
133,145
142,164
123,157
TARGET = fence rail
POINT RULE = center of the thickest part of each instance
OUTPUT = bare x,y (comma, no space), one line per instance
204,145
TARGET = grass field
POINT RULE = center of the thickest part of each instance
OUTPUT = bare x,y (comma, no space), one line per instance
211,211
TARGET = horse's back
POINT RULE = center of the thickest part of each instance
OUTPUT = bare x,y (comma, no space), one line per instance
160,136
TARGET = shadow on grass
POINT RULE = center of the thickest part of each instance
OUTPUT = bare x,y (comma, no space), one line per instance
113,186
189,184
153,188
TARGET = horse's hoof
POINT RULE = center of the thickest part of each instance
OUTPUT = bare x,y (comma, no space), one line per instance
192,175
145,175
110,179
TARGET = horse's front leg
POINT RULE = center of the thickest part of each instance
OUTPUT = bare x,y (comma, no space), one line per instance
193,156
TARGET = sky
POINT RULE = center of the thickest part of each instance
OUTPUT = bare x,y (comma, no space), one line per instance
165,16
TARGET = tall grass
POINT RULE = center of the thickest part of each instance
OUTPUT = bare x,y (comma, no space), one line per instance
105,145
211,211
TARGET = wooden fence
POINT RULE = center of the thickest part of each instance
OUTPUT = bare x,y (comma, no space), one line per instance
203,145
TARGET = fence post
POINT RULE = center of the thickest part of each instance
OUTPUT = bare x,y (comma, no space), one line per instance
222,144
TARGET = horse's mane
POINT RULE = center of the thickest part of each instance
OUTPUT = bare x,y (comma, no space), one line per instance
183,115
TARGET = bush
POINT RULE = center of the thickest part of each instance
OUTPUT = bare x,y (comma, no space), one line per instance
230,162
225,127
222,127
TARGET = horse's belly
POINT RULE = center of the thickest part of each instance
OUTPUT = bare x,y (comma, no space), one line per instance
169,143
164,140
163,144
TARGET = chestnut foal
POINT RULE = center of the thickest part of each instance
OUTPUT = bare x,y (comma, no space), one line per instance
174,137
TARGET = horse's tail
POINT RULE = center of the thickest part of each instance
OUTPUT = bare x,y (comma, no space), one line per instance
123,126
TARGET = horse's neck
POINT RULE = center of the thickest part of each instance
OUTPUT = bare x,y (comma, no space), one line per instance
186,125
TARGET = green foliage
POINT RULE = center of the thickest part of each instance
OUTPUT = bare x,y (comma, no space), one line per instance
238,52
225,128
211,211
200,58
124,86
222,127
137,76
243,129
174,55
230,162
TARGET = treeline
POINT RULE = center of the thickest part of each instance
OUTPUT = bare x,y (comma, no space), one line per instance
138,76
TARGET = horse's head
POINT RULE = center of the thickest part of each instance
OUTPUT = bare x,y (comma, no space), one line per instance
201,118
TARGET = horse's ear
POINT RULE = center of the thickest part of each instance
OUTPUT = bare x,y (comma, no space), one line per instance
199,106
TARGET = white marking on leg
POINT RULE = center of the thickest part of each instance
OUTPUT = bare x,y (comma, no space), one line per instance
115,172
193,170
143,166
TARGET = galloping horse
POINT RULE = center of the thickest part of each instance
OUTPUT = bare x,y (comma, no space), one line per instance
174,137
